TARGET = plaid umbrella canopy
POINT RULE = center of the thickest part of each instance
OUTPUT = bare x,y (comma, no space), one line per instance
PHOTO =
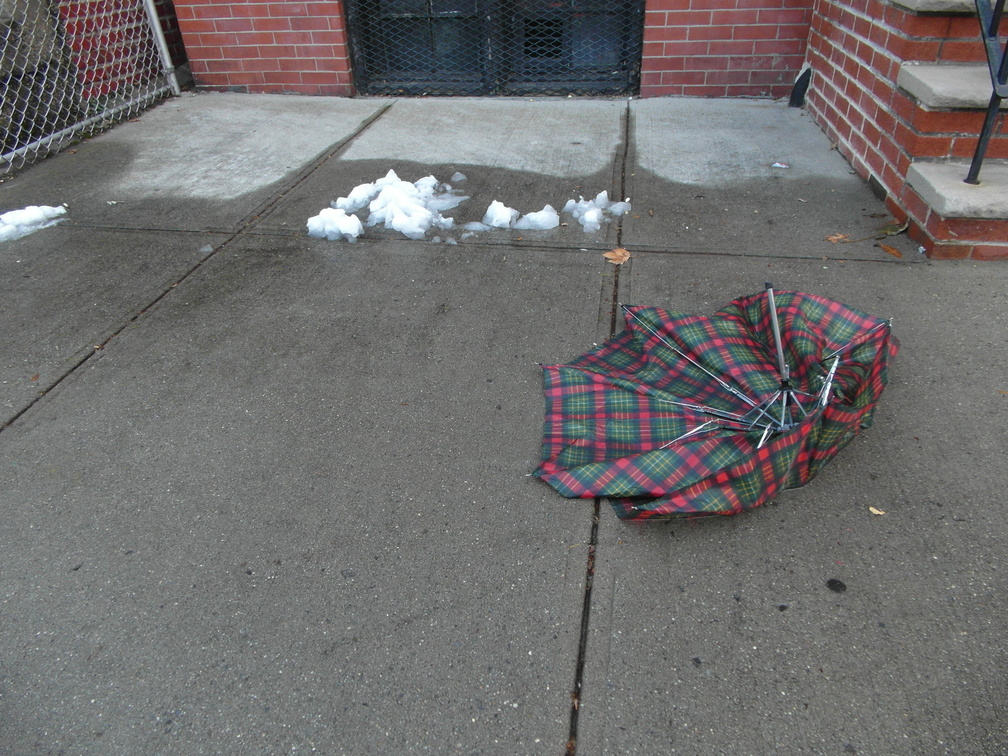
687,415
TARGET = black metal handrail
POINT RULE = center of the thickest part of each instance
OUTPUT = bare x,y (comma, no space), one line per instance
997,61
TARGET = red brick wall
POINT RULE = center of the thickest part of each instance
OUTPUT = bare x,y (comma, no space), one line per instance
173,36
279,46
691,47
723,48
856,48
110,43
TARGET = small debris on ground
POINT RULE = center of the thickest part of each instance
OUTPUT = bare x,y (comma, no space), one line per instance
617,256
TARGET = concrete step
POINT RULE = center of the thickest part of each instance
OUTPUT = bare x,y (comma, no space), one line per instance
941,185
937,6
938,86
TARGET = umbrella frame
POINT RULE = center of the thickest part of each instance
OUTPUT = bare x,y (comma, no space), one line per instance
792,420
760,417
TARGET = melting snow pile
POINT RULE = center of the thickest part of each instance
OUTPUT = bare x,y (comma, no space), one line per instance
414,209
17,223
333,223
498,215
543,220
591,214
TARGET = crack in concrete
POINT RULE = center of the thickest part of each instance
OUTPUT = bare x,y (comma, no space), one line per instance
571,745
614,309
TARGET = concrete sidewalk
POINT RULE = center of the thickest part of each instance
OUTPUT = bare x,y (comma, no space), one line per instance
263,493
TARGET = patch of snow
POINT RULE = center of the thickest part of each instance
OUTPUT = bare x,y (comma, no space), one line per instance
543,220
415,210
499,215
591,220
445,199
591,214
333,223
411,209
17,223
358,198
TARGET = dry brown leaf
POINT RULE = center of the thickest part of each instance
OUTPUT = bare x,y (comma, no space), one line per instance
890,250
837,238
618,256
875,511
891,229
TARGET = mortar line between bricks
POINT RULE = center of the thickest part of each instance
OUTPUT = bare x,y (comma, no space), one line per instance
243,227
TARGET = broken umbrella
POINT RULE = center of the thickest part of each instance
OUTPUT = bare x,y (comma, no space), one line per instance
687,415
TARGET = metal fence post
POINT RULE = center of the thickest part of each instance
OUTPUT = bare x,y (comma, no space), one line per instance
162,45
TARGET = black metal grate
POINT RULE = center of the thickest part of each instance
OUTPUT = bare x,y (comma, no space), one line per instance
506,47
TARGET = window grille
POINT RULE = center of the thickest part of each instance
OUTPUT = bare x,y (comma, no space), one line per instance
507,47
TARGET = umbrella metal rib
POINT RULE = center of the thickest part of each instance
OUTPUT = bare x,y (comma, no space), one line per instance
721,382
863,338
786,395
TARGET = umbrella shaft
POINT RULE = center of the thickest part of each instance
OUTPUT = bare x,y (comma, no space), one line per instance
784,369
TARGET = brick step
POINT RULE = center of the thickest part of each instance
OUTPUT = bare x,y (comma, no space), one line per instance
944,86
941,185
953,219
934,30
941,108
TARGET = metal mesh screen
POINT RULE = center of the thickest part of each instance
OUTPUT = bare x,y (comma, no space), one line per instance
68,68
509,47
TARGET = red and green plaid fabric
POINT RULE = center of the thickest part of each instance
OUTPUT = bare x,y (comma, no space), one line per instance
613,415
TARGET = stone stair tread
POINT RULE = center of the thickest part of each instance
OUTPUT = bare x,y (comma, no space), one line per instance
944,86
937,6
941,185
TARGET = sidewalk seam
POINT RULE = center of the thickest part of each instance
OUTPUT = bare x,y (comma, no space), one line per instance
264,209
571,745
614,309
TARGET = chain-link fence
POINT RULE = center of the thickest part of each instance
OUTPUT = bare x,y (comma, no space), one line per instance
509,47
72,68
